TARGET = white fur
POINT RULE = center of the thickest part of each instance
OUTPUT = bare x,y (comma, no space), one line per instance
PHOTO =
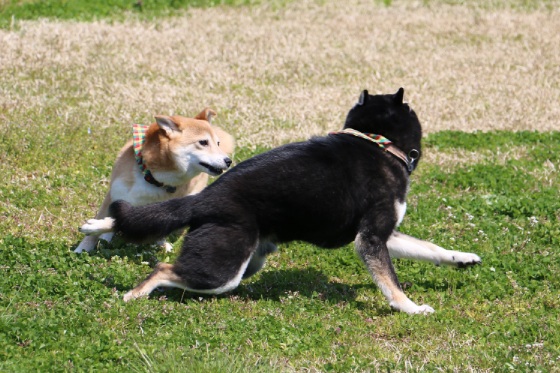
400,210
403,246
411,308
87,244
100,229
165,245
98,226
141,192
107,236
188,160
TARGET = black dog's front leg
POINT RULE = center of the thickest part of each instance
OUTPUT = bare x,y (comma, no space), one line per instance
375,255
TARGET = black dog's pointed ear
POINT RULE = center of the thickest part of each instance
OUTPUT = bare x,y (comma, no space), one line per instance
399,96
363,97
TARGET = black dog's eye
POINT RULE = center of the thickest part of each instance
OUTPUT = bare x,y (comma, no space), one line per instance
203,142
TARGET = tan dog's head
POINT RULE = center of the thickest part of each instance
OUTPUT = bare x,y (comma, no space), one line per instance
194,144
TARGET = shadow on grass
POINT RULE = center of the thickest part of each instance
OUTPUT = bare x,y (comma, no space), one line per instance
307,282
270,284
279,285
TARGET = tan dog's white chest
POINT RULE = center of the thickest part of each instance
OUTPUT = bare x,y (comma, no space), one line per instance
139,192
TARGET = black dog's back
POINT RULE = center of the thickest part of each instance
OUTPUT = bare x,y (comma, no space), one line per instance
314,191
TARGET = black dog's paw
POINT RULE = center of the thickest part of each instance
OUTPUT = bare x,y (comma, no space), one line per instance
469,264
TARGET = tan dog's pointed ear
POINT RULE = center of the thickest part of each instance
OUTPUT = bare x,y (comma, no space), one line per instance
206,114
166,123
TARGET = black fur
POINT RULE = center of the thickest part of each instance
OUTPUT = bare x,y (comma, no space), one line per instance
325,191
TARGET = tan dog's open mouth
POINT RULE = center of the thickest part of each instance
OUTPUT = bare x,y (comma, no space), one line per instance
213,170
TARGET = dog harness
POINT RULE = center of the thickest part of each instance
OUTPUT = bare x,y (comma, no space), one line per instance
385,144
138,139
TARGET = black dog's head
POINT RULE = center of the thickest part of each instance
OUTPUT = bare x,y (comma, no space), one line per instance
389,116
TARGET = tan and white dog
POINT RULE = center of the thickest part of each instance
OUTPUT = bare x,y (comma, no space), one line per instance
168,159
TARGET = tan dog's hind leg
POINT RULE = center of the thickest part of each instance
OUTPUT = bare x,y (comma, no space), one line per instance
375,255
163,275
403,246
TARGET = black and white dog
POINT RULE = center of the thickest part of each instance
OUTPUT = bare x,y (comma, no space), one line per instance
348,186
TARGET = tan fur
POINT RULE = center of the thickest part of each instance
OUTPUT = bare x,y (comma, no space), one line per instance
170,141
380,269
163,275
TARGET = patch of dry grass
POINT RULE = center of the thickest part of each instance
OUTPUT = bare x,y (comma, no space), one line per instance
448,161
277,74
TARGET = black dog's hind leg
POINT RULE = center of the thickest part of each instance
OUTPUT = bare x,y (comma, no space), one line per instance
163,275
259,258
212,261
373,251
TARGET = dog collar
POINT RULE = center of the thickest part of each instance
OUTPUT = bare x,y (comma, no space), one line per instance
385,144
138,139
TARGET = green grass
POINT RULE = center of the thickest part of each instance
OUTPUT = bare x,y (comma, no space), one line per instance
309,308
115,10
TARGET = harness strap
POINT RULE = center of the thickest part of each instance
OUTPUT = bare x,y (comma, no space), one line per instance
385,144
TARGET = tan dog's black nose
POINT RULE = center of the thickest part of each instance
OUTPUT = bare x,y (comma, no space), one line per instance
228,162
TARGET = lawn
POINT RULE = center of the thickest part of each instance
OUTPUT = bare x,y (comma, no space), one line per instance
484,79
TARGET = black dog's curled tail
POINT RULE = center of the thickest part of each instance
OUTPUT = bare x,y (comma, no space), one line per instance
149,223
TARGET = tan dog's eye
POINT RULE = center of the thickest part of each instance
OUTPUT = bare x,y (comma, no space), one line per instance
203,142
